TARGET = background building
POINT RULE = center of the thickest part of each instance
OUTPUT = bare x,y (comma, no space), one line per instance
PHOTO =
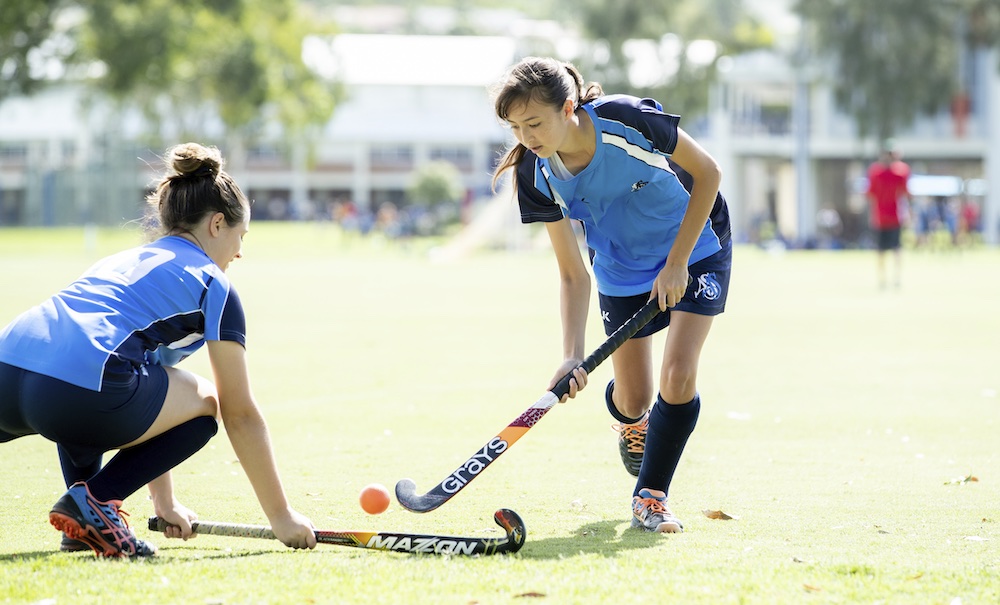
793,167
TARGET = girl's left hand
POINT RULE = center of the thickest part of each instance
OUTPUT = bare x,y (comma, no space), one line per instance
179,519
670,285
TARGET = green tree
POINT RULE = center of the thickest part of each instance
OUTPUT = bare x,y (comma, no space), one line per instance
677,29
181,60
27,43
435,183
896,59
177,59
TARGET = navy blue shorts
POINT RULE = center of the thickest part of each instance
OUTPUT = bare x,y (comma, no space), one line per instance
86,423
705,296
887,239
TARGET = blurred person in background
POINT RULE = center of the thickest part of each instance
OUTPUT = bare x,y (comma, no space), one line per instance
889,198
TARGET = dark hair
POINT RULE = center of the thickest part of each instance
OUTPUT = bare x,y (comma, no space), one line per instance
545,80
193,186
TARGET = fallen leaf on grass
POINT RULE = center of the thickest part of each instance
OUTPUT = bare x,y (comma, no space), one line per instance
718,514
916,577
962,480
811,588
530,594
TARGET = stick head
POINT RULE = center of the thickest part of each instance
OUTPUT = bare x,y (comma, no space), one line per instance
512,524
406,495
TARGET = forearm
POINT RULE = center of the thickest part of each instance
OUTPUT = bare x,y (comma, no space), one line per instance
161,492
574,298
251,441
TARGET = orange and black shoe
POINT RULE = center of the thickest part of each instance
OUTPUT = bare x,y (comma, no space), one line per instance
70,545
632,443
100,525
650,513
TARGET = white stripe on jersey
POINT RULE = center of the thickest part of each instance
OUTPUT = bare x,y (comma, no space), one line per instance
650,158
555,194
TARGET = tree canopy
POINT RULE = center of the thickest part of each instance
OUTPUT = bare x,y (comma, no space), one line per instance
685,40
27,42
179,59
895,59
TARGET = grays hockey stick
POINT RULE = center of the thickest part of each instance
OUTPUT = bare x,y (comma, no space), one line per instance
393,541
470,469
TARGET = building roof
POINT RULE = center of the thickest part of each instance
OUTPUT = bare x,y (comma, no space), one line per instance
367,59
406,88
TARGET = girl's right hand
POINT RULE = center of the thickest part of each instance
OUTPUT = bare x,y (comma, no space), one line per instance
294,530
576,384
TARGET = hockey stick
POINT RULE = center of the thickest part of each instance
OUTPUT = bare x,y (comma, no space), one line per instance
406,489
412,543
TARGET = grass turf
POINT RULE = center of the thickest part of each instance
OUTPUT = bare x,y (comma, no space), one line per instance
842,425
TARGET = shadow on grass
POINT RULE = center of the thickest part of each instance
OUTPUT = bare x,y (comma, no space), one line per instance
172,554
599,538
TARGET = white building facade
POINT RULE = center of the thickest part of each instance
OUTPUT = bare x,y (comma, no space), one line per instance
789,157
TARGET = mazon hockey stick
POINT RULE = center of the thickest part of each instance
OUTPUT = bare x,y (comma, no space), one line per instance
406,489
431,544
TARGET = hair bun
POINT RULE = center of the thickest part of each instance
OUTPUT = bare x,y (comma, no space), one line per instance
194,160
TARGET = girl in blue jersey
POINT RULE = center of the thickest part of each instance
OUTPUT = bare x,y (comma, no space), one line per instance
647,196
92,368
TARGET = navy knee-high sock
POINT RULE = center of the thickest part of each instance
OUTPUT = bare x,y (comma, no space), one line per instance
668,432
134,467
73,473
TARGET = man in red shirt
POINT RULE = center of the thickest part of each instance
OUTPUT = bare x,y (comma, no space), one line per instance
889,195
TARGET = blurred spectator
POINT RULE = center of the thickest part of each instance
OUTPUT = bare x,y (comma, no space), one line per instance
889,197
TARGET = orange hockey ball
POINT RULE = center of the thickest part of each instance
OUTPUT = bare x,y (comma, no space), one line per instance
374,499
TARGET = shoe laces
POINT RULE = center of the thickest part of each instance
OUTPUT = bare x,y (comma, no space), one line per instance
634,434
123,515
652,506
120,534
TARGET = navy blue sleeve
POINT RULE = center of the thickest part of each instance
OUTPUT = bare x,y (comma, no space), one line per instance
720,210
644,115
234,323
537,205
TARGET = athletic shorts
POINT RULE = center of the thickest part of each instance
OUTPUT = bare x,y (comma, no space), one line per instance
706,295
887,239
86,423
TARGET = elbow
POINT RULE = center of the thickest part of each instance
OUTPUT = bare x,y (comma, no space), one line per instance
713,173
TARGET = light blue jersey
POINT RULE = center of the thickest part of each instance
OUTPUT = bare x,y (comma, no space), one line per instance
155,304
629,198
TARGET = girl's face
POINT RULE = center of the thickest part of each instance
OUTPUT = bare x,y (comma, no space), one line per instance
226,242
539,127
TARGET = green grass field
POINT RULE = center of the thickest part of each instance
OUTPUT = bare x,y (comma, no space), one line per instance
852,432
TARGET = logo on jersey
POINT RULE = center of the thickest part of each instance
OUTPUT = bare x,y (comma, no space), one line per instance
708,287
638,185
605,316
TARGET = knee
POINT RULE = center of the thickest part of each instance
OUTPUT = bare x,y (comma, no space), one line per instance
678,383
208,396
211,407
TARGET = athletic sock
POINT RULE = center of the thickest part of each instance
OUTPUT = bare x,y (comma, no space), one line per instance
668,432
71,472
136,466
614,410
